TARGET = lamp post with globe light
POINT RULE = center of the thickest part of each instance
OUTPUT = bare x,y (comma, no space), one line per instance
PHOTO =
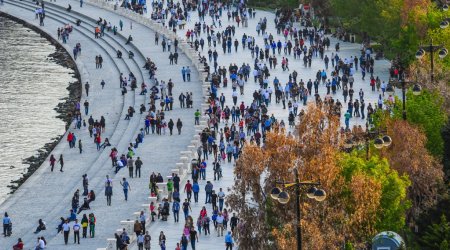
379,137
416,90
431,48
283,197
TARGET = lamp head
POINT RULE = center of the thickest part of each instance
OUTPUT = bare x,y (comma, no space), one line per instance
283,197
443,24
443,53
417,89
275,193
378,143
387,140
420,53
320,195
445,7
311,192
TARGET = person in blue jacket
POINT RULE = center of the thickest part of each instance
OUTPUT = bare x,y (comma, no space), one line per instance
196,190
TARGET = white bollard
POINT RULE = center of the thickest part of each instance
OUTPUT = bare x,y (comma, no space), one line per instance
162,186
137,216
193,149
188,154
184,159
195,143
111,244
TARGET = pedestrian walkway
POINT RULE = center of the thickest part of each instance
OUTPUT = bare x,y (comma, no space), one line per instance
173,230
48,195
159,153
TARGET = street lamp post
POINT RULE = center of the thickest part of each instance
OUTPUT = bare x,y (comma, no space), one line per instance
431,48
283,197
416,91
379,137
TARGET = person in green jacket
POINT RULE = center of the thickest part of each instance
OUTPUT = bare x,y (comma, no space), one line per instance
170,189
92,225
197,117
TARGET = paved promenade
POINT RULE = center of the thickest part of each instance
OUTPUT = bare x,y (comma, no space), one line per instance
174,230
159,153
47,195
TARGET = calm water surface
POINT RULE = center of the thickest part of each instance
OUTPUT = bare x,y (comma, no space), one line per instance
31,85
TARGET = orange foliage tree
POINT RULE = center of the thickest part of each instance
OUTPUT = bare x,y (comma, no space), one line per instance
348,214
408,155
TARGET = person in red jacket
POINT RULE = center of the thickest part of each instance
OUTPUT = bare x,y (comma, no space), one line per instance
188,190
70,139
19,245
98,141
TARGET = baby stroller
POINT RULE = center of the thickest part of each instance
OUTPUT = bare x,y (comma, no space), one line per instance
9,230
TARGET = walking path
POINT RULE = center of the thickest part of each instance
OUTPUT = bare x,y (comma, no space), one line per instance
46,194
173,230
158,153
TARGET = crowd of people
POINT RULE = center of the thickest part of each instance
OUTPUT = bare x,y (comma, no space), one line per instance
234,120
235,115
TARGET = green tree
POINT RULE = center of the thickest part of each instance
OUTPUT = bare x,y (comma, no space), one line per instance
437,236
426,110
393,201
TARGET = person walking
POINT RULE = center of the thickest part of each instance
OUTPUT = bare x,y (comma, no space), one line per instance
52,162
138,164
229,241
76,232
219,224
84,225
147,241
196,190
208,191
162,240
197,117
66,231
86,88
6,225
142,219
221,196
186,208
92,222
137,228
126,187
130,165
193,237
176,210
85,185
188,74
108,190
184,242
140,241
80,146
179,126
61,161
86,107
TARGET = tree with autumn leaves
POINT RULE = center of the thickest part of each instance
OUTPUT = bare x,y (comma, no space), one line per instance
364,197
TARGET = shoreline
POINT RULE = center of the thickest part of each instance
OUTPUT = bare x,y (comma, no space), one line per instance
64,108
